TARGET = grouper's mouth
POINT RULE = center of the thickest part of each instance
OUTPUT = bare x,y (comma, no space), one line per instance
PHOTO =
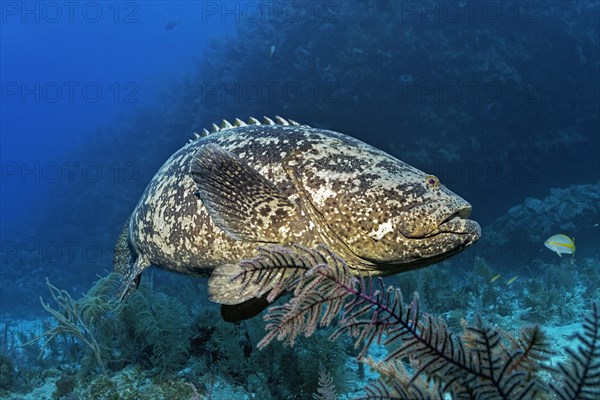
451,237
460,232
458,224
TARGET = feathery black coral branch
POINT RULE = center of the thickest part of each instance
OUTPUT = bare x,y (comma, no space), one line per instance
535,349
321,282
582,371
483,363
277,267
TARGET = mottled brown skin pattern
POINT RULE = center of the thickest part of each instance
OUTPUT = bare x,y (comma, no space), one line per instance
380,214
171,227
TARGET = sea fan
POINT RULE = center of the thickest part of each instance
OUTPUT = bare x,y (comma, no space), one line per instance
483,363
308,272
326,389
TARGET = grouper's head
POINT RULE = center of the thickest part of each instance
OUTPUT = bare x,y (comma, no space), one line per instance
393,216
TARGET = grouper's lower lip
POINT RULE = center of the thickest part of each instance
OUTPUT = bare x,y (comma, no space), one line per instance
459,226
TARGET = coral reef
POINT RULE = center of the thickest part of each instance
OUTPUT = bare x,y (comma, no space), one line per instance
416,89
278,372
151,327
581,374
516,239
483,362
419,92
151,347
19,363
6,373
326,389
546,293
81,321
571,210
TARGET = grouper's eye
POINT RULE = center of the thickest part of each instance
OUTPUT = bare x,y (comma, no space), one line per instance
432,181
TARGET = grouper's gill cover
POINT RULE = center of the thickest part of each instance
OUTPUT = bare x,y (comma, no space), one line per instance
220,197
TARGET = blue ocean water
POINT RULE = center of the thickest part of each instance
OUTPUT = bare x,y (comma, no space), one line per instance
498,99
68,71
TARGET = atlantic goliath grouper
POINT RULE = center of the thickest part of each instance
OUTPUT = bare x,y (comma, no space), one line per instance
242,186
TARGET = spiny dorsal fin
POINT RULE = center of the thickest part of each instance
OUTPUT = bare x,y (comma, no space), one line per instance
281,121
239,123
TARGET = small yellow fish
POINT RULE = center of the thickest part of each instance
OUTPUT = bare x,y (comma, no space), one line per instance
511,280
561,244
495,278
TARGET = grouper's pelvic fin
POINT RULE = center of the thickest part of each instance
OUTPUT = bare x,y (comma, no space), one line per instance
225,286
247,309
245,289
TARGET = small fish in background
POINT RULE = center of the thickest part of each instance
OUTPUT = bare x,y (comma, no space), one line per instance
172,24
508,282
561,244
511,280
272,50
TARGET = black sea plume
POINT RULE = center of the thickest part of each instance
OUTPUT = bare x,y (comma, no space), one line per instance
425,360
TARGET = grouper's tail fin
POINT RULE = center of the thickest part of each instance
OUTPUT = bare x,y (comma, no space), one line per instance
121,252
127,265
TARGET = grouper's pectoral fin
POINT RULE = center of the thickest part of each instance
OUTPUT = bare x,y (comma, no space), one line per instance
240,200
